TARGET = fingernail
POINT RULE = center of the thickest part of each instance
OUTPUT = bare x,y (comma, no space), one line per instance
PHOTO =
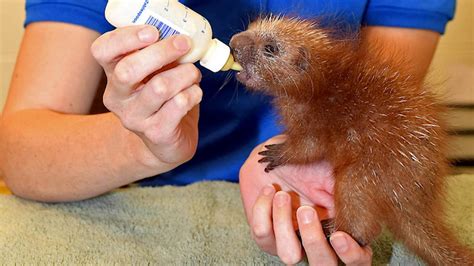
181,43
148,34
306,214
339,243
281,199
268,190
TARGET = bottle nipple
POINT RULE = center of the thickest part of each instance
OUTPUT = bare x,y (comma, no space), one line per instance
231,64
236,66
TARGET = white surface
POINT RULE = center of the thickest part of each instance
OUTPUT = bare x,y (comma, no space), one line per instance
216,56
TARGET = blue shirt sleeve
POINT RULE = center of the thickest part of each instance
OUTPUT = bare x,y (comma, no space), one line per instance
87,13
420,14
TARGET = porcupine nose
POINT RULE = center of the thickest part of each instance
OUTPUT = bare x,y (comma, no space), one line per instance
242,46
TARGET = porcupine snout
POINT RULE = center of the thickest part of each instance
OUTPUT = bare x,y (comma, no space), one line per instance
243,47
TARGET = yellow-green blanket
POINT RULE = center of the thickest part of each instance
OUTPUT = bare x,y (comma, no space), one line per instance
202,223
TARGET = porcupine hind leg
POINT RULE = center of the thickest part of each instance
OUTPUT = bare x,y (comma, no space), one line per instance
358,211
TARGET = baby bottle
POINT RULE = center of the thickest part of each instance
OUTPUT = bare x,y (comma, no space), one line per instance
172,17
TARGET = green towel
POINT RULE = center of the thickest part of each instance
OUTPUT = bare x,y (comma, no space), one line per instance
203,223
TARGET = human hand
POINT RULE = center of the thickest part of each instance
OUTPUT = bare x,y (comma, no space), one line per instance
153,98
274,216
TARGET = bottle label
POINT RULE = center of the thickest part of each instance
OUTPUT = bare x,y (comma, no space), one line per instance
164,26
165,30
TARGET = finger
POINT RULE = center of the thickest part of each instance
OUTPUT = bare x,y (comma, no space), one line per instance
114,44
262,226
287,242
313,238
135,67
349,250
162,88
162,125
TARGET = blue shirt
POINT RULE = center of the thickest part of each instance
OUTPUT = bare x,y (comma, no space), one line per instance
233,121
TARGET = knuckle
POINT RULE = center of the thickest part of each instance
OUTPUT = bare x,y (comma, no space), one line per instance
129,122
159,56
310,240
98,51
95,49
359,258
112,34
108,101
159,85
182,100
124,71
355,259
261,232
99,47
197,93
289,258
193,72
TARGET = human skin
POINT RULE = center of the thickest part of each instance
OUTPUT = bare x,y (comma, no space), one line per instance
274,216
54,151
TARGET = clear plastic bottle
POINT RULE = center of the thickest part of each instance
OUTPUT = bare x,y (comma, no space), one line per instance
172,17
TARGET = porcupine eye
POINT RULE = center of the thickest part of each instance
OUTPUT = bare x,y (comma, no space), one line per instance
270,50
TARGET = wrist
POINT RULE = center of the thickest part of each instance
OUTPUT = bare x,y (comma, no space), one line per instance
139,156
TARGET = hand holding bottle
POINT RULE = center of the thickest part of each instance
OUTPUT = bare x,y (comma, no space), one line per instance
172,17
156,102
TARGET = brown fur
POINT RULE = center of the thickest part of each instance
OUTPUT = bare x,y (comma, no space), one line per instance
381,129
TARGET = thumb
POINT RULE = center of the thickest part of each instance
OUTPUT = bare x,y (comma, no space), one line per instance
349,251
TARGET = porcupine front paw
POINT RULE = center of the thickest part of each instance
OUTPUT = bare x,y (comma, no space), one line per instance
272,155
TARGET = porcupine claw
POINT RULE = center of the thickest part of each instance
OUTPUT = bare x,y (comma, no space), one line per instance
272,156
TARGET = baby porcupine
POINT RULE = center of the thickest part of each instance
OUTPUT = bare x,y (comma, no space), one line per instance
377,125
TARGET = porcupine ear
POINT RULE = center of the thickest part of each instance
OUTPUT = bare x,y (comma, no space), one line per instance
303,59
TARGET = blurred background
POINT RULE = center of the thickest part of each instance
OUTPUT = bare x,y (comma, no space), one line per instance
453,66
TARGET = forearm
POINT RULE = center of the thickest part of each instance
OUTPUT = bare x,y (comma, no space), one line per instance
49,156
415,46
